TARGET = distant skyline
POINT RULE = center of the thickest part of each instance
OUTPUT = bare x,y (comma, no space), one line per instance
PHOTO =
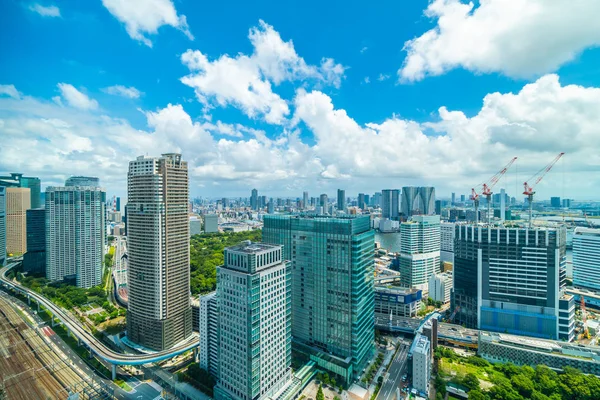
283,99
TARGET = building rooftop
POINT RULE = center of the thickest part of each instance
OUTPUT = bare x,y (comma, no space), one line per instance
421,343
586,231
396,290
249,247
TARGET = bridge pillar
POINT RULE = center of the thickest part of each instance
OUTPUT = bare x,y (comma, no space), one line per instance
114,371
91,353
196,359
53,323
28,300
38,304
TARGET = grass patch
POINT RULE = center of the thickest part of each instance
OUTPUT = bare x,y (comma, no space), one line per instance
123,385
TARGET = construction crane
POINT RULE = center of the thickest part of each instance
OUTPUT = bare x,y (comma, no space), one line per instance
487,190
457,309
529,190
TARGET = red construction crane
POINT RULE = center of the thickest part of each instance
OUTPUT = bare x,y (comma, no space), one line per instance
487,189
529,190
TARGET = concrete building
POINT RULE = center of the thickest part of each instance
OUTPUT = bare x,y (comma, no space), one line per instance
20,181
18,201
421,364
417,201
254,292
390,204
159,313
332,285
512,280
75,233
447,242
254,199
361,201
209,333
555,202
305,201
82,181
211,223
2,226
419,250
586,258
397,302
195,226
440,287
34,260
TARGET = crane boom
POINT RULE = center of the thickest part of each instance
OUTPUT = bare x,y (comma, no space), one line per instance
488,186
529,191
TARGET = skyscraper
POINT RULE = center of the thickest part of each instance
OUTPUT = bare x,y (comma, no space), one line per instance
118,205
390,204
18,201
305,200
419,250
418,201
586,258
341,200
2,226
75,230
83,181
34,260
332,287
512,280
18,180
361,201
254,295
453,198
254,200
208,325
159,313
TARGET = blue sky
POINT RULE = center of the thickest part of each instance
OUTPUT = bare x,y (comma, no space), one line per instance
303,96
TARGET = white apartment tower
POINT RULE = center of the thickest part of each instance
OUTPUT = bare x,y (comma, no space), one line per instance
586,258
254,296
419,250
421,364
440,287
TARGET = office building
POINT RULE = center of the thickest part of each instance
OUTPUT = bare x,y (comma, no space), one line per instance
418,201
390,204
555,202
419,250
271,207
211,223
34,260
20,181
566,203
305,201
440,287
503,201
586,258
75,233
512,280
125,218
332,287
438,207
361,201
392,302
2,226
195,226
254,199
208,324
254,292
118,204
83,181
447,241
323,201
453,199
18,201
421,365
376,199
158,243
462,198
262,202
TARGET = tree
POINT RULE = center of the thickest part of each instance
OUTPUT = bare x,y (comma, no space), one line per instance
326,378
320,395
523,385
471,381
477,395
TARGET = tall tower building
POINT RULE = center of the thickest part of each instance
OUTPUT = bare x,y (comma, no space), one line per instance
332,287
254,296
18,201
419,250
453,198
75,230
34,260
361,201
305,200
418,201
341,200
83,181
18,180
512,280
390,203
159,314
586,258
254,199
2,226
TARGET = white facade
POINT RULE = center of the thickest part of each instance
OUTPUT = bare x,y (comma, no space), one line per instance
447,241
211,223
419,250
586,258
195,226
206,331
440,286
387,225
421,364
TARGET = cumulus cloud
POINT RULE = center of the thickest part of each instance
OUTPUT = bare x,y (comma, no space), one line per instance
49,11
246,81
10,90
119,90
142,17
520,38
75,98
383,77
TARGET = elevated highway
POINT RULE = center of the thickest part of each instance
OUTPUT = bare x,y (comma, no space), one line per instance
88,339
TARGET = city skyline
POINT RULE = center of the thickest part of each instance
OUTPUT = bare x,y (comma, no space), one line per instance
362,115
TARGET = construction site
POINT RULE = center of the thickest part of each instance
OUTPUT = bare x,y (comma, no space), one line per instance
32,366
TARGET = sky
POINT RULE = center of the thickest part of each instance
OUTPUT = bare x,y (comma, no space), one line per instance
305,95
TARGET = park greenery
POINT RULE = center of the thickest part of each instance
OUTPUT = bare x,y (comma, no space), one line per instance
320,395
206,254
485,381
328,381
373,369
198,377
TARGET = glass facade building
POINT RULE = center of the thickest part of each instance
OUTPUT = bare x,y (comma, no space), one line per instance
34,260
332,287
419,250
18,180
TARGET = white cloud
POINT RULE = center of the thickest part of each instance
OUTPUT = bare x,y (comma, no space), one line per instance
365,48
75,98
246,81
119,90
367,79
10,90
49,11
519,38
383,77
143,17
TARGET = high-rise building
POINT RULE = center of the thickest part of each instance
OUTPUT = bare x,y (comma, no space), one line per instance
586,258
555,202
225,202
254,200
341,200
438,207
462,198
367,201
34,260
390,204
254,292
512,280
75,231
208,325
418,201
305,200
271,207
263,202
18,180
419,250
376,199
421,365
18,201
82,181
118,204
211,223
125,218
566,203
361,201
453,198
447,241
2,226
440,287
332,287
503,200
159,313
195,226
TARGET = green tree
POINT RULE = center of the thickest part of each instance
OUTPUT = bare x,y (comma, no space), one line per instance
320,395
326,378
523,385
477,395
471,381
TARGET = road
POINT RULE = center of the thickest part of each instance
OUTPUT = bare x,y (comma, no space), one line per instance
87,338
393,379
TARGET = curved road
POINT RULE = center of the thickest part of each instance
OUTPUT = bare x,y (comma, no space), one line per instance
95,345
